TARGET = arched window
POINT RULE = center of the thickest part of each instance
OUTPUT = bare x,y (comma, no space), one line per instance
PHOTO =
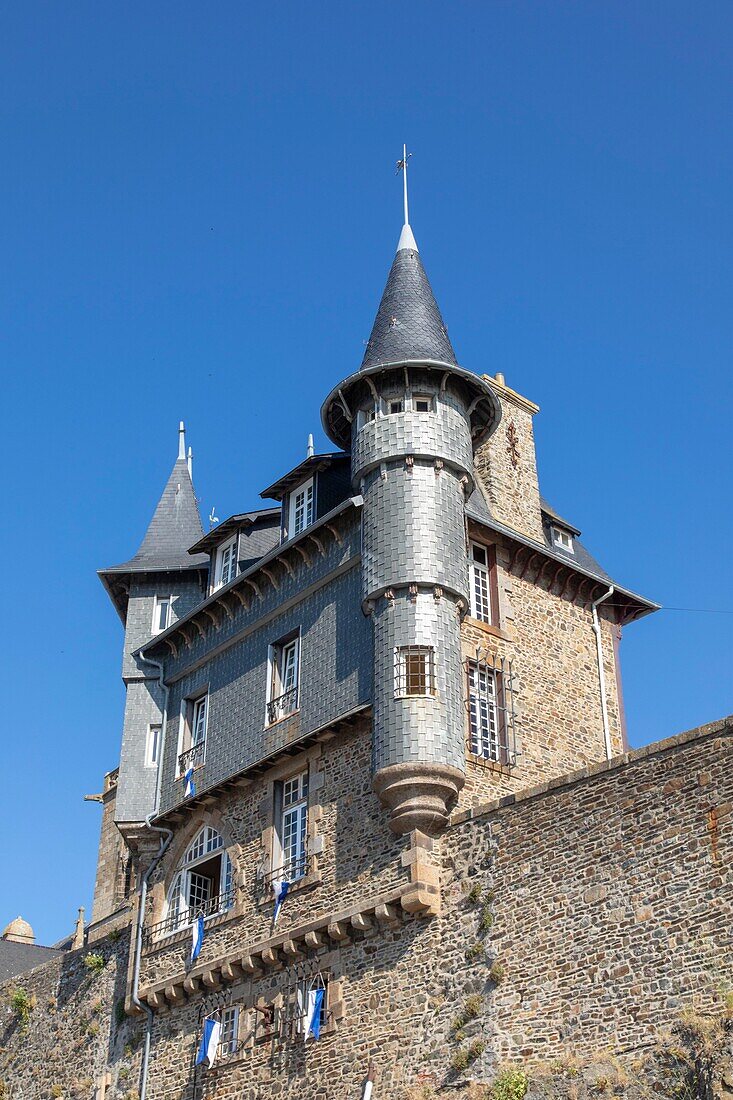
202,885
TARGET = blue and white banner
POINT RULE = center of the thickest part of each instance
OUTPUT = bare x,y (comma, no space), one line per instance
190,788
281,892
198,937
313,1014
209,1042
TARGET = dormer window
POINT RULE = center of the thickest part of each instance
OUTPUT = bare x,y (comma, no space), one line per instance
563,539
226,563
301,508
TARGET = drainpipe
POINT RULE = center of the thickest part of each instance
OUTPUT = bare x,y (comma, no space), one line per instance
601,672
166,836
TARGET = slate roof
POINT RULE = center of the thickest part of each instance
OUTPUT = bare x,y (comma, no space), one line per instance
17,958
243,519
408,324
175,526
279,488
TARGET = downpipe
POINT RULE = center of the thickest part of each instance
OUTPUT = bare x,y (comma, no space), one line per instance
601,671
166,836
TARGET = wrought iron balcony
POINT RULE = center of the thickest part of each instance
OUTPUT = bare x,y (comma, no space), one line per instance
292,870
192,758
284,705
186,916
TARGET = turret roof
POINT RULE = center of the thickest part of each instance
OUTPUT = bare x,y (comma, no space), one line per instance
408,325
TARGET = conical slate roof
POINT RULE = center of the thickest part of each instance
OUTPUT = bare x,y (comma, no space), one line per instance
408,325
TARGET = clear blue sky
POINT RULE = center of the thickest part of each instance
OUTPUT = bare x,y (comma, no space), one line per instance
198,209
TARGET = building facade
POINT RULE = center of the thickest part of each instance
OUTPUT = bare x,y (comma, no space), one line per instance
374,750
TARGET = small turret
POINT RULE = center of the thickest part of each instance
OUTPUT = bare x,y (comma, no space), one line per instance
19,931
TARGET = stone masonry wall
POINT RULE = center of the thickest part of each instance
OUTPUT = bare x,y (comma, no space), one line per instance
76,1044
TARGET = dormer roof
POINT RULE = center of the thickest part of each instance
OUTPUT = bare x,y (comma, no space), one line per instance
220,533
301,473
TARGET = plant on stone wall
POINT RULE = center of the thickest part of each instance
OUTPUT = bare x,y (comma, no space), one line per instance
22,1004
120,1014
487,919
465,1056
57,1090
115,935
94,963
690,1055
4,1094
475,951
470,1009
510,1084
497,972
474,893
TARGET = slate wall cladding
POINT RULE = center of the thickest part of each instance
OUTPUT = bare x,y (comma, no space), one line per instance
429,729
333,485
187,591
442,434
256,540
335,677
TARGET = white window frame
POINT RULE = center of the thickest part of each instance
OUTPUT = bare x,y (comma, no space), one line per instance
190,726
152,744
226,563
290,855
207,844
168,600
229,1035
283,668
308,507
365,416
429,398
563,539
480,577
389,402
401,655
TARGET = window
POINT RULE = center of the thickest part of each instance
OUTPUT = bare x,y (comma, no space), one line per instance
414,670
193,734
202,885
302,1003
229,1034
422,403
290,860
563,539
152,745
282,687
162,613
301,508
365,416
226,563
491,719
480,583
396,406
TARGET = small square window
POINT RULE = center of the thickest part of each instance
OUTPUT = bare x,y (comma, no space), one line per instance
396,406
414,670
563,539
422,403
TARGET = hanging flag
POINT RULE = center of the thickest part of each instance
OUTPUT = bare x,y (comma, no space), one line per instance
198,937
281,890
313,1015
209,1042
190,788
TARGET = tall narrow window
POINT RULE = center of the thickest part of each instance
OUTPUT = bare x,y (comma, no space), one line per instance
483,712
161,613
196,717
282,693
414,670
480,583
293,830
301,508
226,563
229,1034
152,746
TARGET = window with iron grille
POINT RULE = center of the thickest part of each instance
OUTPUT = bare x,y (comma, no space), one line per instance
491,721
480,571
414,670
301,508
193,735
202,886
282,688
291,855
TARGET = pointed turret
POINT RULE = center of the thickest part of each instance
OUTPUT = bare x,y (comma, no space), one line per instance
408,327
175,526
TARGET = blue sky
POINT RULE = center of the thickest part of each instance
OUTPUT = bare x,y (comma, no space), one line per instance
198,209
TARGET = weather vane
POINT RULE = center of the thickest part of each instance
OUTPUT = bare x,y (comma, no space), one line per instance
402,167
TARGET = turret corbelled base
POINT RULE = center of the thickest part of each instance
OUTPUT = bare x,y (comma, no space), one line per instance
419,796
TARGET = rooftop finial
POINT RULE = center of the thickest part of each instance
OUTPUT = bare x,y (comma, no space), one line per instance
181,440
190,463
407,239
310,450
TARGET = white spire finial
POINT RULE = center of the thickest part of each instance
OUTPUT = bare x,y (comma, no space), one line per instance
181,440
310,450
190,463
407,239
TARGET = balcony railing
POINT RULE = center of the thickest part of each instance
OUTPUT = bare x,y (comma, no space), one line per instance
291,871
284,705
192,758
185,917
